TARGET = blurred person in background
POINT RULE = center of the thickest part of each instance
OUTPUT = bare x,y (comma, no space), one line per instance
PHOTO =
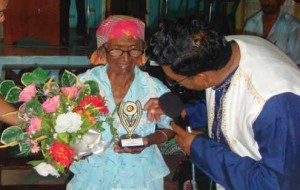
277,26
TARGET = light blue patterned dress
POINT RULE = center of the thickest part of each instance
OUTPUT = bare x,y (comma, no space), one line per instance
111,170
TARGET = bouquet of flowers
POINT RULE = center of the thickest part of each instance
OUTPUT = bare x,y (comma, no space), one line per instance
62,121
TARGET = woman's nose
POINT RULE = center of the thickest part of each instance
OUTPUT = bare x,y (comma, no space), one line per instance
125,55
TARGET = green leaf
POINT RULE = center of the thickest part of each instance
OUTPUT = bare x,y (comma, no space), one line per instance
35,163
24,149
10,134
38,76
65,137
60,168
94,88
86,125
5,86
113,130
12,95
33,107
98,126
64,104
48,123
44,146
68,79
87,91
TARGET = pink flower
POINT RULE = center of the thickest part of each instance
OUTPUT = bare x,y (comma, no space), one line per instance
35,125
46,92
22,113
51,104
27,93
71,92
25,117
34,146
35,149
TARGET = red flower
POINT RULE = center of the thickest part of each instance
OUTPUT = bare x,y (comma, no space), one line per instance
93,100
62,153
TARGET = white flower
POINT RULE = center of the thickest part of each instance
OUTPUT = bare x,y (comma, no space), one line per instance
45,169
68,122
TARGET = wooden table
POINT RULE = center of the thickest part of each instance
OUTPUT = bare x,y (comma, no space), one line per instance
32,18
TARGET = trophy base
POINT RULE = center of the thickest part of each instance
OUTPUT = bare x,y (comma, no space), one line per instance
133,142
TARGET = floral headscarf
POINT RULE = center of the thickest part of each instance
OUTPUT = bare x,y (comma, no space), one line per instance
117,26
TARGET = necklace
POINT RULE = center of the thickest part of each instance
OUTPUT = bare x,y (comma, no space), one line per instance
220,99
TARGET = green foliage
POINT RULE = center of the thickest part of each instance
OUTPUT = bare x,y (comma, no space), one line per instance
68,79
38,76
5,86
12,95
98,126
54,89
24,149
93,86
10,91
11,134
86,125
35,163
48,123
65,137
86,91
33,107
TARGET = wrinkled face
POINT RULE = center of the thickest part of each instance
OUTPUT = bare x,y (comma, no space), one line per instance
197,82
122,54
271,6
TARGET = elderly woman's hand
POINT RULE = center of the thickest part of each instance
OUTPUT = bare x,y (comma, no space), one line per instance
154,110
132,150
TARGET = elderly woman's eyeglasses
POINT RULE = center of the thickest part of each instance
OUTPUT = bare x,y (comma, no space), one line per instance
119,52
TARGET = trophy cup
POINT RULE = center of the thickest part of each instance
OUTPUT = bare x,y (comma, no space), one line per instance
130,114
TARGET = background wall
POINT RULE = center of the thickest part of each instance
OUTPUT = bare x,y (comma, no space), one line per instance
156,9
95,12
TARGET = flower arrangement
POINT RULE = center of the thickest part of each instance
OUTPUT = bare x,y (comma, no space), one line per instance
55,119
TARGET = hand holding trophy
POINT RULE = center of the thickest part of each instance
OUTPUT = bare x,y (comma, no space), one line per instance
130,114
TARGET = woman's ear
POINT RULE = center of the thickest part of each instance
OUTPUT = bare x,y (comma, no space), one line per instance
141,60
98,57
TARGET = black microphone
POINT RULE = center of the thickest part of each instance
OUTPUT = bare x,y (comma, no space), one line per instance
172,106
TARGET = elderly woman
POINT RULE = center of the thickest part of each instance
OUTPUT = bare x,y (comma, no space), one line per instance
120,41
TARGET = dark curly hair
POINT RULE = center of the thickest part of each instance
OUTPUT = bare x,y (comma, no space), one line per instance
190,46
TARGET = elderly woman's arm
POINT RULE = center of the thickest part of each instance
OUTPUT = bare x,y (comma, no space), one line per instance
6,113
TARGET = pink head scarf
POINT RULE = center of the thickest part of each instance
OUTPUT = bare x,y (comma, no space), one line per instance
118,26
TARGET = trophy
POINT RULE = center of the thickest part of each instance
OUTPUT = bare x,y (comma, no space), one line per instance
130,114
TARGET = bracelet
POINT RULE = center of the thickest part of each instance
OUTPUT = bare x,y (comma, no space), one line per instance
164,134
